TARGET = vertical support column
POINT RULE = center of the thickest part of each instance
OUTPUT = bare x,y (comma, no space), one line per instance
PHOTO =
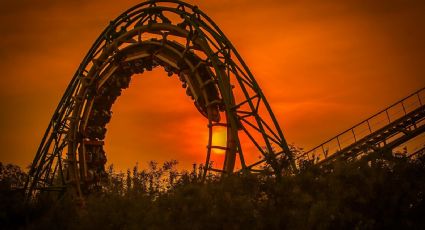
354,135
339,144
232,135
368,125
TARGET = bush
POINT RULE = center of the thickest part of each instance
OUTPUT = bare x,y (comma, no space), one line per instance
371,193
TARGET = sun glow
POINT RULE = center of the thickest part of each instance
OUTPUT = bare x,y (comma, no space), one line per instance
219,138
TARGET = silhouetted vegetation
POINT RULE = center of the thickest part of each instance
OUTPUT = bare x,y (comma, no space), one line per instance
376,192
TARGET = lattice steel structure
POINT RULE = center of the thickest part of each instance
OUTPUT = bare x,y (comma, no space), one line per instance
385,130
185,42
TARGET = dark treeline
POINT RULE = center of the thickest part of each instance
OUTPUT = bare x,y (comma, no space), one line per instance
385,192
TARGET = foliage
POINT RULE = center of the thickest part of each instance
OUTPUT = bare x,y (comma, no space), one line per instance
377,191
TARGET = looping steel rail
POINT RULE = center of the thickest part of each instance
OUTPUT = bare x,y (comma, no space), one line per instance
186,43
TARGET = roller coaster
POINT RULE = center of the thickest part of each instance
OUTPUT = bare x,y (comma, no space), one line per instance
187,44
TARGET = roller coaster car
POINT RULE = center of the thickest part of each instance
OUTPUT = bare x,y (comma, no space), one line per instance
104,102
99,116
95,159
95,155
92,142
95,132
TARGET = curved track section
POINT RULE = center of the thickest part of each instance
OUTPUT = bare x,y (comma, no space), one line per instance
186,43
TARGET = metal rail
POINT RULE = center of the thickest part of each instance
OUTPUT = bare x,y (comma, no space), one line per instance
388,128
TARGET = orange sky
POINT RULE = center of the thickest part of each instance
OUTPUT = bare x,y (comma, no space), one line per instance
323,65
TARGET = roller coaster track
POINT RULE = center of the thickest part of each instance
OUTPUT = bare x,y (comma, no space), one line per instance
387,129
186,43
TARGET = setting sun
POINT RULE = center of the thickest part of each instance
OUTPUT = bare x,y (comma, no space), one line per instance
219,139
